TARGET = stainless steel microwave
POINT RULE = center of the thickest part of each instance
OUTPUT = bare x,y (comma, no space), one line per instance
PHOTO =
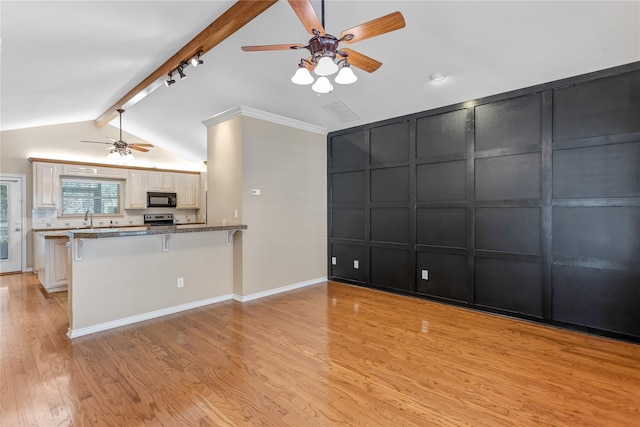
161,200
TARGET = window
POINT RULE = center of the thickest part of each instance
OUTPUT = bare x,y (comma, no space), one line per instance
97,196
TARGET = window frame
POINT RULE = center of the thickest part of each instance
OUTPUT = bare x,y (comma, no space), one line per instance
93,180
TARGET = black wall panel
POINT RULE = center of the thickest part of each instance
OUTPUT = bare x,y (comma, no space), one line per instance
606,106
390,143
390,184
509,285
600,171
441,227
348,187
603,299
390,225
510,123
441,134
508,229
508,177
348,223
610,233
447,276
344,255
348,151
441,181
391,268
526,202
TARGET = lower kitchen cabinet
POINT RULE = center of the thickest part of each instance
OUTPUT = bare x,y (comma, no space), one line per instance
52,260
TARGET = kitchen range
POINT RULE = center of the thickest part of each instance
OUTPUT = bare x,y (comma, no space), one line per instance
157,220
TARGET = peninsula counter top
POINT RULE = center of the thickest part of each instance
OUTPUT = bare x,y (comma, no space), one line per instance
149,231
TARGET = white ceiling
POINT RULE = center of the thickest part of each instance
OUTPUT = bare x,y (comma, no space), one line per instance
69,61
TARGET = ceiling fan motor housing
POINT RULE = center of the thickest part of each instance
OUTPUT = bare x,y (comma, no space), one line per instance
320,46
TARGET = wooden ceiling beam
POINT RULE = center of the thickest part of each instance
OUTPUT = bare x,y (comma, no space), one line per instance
237,16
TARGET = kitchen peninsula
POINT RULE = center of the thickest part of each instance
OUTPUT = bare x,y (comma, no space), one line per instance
120,276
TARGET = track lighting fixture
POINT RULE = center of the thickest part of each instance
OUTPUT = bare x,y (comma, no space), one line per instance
195,60
169,81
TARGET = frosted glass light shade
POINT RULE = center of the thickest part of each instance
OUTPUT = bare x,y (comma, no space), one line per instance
302,77
322,85
346,76
326,67
113,155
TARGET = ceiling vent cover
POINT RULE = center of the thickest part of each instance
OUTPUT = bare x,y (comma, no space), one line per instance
341,112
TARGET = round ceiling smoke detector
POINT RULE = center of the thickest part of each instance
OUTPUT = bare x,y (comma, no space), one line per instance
437,77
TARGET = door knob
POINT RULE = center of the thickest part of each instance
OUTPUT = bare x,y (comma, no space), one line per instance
17,229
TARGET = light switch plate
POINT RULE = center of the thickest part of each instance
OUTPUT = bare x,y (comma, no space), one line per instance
425,274
334,261
356,264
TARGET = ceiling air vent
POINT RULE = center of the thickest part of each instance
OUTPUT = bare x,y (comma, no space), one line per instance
341,112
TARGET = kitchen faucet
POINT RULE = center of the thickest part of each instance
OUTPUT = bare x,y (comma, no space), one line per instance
89,214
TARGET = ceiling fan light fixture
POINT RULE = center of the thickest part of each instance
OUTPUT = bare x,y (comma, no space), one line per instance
326,67
302,76
346,76
113,154
322,85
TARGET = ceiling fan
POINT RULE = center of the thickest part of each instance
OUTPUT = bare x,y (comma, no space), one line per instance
325,51
119,147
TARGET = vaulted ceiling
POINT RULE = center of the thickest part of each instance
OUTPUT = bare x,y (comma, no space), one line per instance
69,61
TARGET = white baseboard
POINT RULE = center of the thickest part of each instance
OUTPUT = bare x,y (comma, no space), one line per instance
250,297
74,333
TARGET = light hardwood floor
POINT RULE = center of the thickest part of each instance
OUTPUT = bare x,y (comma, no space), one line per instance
327,355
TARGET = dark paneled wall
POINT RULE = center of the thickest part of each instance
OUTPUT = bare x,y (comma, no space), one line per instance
525,203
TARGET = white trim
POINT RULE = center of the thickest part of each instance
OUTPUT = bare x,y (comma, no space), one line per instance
74,333
250,297
242,110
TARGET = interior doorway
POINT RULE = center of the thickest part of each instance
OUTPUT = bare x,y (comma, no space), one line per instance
12,221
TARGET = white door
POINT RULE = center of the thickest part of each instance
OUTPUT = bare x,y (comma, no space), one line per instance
10,224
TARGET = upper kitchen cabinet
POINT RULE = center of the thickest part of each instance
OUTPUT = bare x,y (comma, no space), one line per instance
162,181
46,185
188,192
136,191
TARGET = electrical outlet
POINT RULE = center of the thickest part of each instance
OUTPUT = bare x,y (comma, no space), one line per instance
356,264
180,282
425,274
235,213
334,261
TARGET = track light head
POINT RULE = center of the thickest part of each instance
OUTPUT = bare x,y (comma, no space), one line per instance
195,60
169,81
182,74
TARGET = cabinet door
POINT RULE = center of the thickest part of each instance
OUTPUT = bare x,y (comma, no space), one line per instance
188,191
137,190
162,181
46,185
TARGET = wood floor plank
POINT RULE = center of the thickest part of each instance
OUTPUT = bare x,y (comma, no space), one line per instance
329,354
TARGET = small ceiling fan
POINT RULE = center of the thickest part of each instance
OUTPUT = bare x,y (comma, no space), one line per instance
119,146
324,47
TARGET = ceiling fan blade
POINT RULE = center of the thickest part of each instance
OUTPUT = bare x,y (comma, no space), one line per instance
361,61
98,142
307,15
391,22
141,145
271,47
134,147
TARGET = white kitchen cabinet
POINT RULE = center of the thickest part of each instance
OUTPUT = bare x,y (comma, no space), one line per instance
52,260
136,189
46,185
188,192
162,181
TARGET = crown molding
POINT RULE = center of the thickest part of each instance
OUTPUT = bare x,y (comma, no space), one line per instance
245,111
